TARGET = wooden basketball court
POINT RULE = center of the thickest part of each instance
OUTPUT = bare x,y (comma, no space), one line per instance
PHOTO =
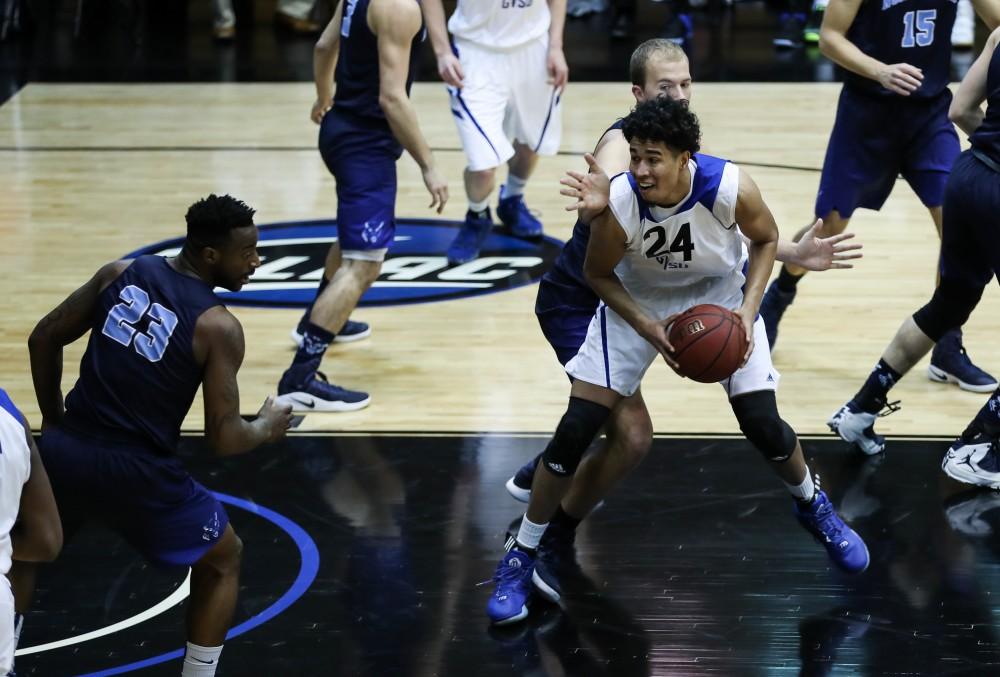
92,172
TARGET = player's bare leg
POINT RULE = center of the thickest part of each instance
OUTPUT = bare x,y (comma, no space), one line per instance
215,584
302,385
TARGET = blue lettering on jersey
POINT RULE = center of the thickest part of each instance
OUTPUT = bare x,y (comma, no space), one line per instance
120,323
345,25
918,28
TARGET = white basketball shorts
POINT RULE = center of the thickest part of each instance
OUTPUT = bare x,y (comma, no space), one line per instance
614,356
505,97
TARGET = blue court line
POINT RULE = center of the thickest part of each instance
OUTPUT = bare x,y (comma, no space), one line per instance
308,568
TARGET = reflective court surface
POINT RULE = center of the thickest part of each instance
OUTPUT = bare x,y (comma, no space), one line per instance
371,555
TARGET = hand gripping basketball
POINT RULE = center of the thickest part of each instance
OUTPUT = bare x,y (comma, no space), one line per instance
710,343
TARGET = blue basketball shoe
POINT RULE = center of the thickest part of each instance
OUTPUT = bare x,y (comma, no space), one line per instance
509,602
772,307
350,332
514,214
317,394
842,543
519,486
857,427
951,364
466,245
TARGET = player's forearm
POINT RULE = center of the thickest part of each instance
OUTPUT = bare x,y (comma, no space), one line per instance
437,27
762,255
836,47
786,252
46,374
403,121
557,10
968,120
324,67
36,542
234,435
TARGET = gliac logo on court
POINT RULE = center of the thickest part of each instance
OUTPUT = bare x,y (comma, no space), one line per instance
416,269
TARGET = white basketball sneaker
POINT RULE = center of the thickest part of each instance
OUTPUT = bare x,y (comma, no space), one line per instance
974,459
857,427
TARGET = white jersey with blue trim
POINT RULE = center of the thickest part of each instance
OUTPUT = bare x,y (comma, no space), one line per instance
15,466
500,24
691,253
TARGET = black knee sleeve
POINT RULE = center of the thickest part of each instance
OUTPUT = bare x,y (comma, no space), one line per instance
758,416
577,429
950,307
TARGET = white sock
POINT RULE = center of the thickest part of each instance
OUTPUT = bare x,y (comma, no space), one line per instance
820,5
530,533
804,491
480,206
514,186
201,661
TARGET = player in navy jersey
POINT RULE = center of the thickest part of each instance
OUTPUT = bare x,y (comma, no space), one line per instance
566,304
892,119
970,258
157,333
370,49
671,194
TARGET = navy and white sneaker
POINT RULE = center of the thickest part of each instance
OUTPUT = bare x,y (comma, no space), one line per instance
519,486
471,235
950,363
847,550
974,458
514,214
350,332
509,602
772,307
318,394
857,427
555,563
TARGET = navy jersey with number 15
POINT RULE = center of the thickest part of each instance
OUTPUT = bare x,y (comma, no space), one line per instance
917,32
139,374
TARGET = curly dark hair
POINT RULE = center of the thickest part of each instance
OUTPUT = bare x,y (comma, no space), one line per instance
662,119
209,220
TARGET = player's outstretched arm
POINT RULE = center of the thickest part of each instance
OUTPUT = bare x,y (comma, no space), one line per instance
37,535
816,253
965,110
219,343
901,78
325,65
66,323
395,22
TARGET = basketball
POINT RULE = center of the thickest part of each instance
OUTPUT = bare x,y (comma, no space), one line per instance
709,342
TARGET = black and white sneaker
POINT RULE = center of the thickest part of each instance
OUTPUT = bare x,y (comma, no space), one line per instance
318,394
974,459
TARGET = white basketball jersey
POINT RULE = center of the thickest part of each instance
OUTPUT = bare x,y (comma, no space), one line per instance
15,466
688,254
500,24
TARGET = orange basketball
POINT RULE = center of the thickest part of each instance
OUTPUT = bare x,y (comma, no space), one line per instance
709,342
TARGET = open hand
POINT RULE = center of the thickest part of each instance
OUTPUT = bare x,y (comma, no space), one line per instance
813,252
591,190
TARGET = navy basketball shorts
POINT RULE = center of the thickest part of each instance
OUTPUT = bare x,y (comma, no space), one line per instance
361,154
147,498
970,236
564,310
874,140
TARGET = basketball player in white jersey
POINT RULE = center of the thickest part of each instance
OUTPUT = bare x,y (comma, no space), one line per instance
664,238
505,71
29,522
